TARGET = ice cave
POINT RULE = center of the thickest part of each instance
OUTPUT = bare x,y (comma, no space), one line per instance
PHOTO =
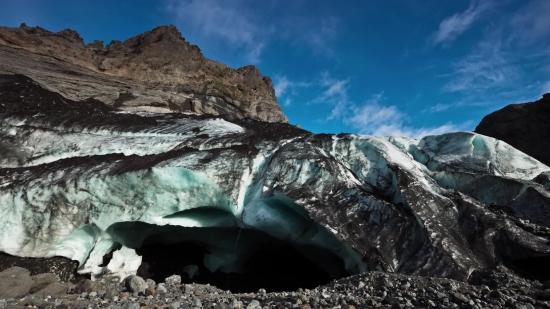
273,245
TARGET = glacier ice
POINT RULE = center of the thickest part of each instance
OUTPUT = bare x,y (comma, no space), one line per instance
387,203
191,270
125,262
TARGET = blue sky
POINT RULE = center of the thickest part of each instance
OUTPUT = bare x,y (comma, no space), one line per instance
381,67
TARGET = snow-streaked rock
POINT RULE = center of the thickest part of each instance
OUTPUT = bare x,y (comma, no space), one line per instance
81,189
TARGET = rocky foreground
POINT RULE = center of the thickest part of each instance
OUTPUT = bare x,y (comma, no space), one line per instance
499,288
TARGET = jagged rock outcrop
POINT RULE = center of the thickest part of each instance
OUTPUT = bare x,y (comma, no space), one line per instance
157,71
81,180
525,126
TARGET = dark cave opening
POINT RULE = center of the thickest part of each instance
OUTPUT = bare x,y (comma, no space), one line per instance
534,268
271,264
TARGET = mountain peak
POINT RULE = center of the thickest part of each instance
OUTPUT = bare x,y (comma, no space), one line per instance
157,70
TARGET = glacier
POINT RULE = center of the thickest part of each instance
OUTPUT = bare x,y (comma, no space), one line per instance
88,182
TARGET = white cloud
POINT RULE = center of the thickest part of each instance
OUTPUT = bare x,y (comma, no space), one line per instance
453,26
375,119
439,107
372,118
487,67
285,87
251,27
229,20
546,88
287,102
281,85
507,60
335,94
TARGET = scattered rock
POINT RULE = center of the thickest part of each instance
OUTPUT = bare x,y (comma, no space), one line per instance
135,284
461,298
235,304
150,282
161,289
254,305
173,280
87,286
150,290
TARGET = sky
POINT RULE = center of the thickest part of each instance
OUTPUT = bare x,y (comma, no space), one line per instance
377,67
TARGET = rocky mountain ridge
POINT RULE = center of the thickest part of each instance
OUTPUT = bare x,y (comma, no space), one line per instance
526,126
157,71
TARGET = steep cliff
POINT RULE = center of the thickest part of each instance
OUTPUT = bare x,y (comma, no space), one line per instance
525,126
157,71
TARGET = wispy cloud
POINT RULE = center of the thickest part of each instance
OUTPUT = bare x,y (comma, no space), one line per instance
372,118
228,20
453,26
487,67
283,85
546,88
439,107
285,88
504,61
335,93
287,102
251,27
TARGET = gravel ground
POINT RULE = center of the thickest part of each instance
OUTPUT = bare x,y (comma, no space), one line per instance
499,288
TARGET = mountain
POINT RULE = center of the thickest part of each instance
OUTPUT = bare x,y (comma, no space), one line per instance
267,204
525,126
157,71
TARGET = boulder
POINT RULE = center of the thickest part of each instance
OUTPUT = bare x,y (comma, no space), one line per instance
55,288
41,281
87,286
135,284
173,280
15,282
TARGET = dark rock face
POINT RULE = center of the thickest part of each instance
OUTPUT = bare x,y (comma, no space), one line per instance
63,267
157,71
525,126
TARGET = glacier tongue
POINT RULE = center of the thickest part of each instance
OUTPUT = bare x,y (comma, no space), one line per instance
82,189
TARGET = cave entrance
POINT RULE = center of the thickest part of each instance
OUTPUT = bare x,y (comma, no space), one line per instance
261,261
533,268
